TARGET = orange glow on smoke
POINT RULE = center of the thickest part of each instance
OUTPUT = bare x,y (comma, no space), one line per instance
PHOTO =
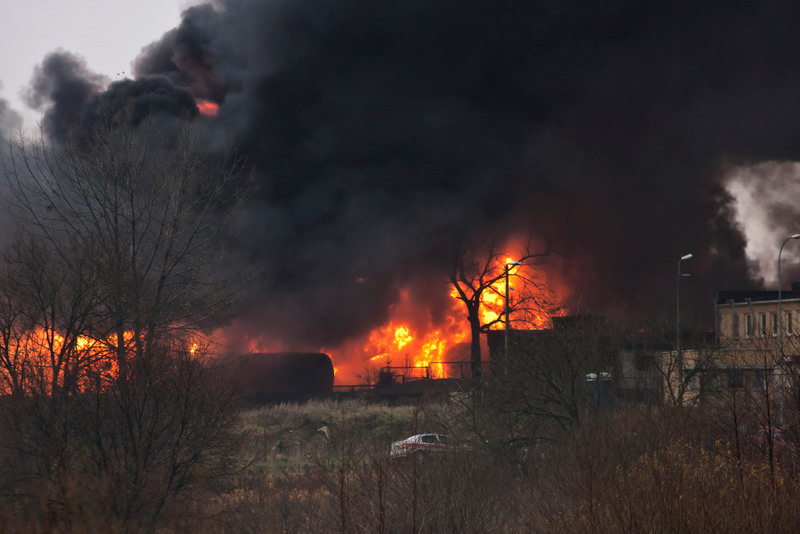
207,107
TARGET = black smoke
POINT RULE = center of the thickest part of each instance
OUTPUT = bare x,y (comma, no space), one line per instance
10,122
386,135
62,85
75,98
130,101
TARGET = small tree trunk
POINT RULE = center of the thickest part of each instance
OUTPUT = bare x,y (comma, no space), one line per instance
475,344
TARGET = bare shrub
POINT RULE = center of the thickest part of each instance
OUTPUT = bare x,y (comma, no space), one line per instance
687,488
122,457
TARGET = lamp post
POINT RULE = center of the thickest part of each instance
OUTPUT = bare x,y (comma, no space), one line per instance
678,322
508,310
678,299
780,322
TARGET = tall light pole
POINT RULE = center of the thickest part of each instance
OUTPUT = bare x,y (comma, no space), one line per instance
509,265
678,299
780,321
678,323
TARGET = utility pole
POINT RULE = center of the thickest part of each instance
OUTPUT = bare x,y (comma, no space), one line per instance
678,324
508,312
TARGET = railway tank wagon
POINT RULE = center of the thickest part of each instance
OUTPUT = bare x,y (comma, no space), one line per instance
267,377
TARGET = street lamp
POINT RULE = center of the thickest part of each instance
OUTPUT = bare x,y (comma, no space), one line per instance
678,299
509,265
780,318
678,322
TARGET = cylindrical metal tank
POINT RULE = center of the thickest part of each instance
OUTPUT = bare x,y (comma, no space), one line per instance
282,376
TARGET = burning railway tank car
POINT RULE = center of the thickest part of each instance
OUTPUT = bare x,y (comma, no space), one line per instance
281,376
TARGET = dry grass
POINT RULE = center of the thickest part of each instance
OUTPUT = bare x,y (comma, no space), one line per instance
686,488
627,471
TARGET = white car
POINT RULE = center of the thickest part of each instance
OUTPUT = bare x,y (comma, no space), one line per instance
422,443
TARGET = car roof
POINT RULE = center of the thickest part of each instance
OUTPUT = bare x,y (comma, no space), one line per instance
427,434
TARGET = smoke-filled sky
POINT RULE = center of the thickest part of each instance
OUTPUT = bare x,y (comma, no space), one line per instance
386,135
107,35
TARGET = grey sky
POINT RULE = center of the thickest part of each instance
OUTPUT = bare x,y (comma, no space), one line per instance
108,35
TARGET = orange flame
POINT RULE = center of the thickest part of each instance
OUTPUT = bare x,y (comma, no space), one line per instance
416,341
207,107
415,348
43,360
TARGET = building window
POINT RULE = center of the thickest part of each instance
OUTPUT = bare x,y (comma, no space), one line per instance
774,324
735,325
762,324
692,383
759,380
789,328
748,325
645,362
735,378
710,380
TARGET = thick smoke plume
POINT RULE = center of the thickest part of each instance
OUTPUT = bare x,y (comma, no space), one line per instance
10,122
62,85
386,136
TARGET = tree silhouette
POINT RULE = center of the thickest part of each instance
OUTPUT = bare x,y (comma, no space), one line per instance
478,280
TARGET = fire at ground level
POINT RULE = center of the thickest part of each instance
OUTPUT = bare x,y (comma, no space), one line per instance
430,335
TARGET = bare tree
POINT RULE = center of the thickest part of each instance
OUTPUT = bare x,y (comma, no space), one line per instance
15,326
556,377
148,208
478,274
49,305
117,261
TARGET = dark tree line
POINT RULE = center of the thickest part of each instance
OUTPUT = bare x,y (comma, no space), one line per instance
110,417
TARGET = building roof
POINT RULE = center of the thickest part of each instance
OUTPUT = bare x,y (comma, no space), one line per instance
738,296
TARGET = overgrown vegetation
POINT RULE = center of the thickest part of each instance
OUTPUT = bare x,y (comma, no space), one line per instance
547,453
627,469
